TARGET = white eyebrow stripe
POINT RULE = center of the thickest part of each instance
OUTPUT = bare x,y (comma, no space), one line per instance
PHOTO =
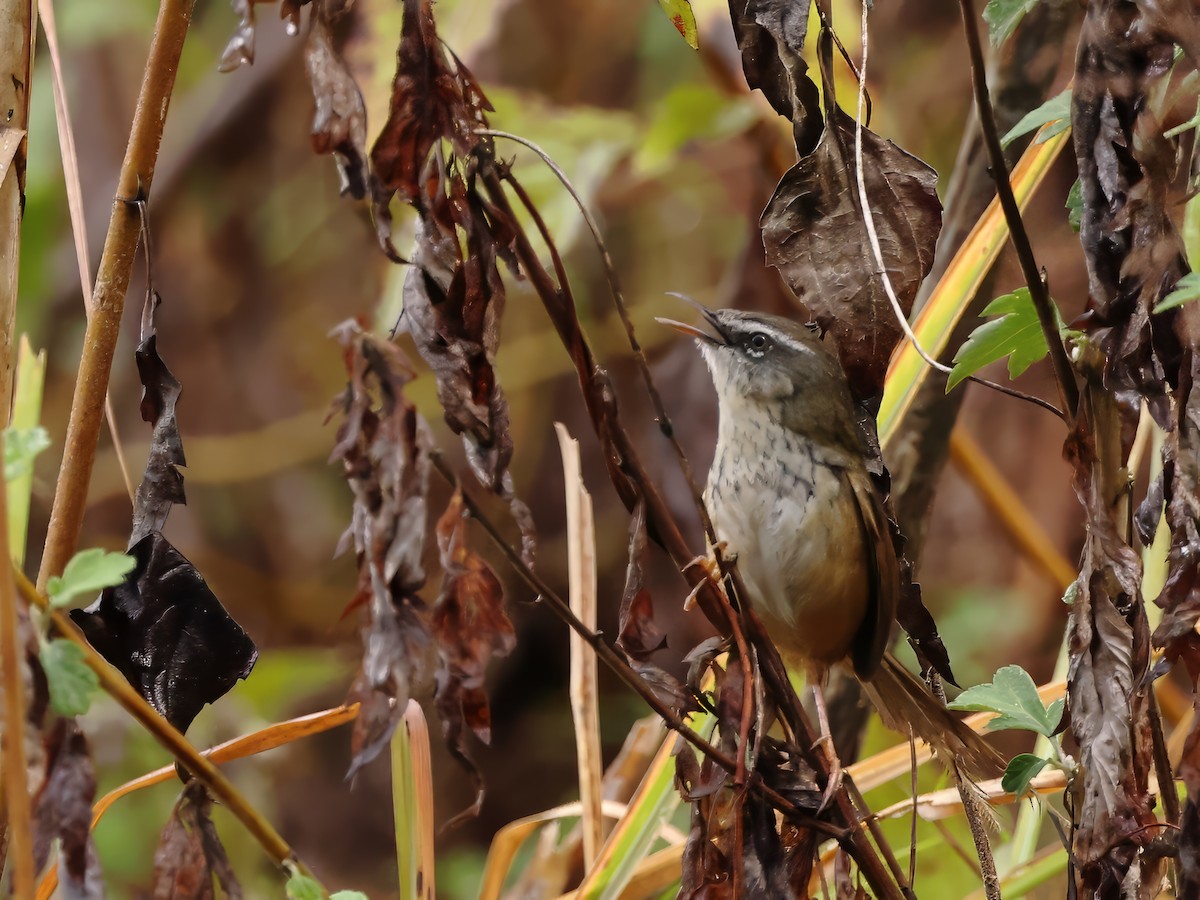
786,340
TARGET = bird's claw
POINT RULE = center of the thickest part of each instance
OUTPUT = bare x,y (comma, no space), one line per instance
711,568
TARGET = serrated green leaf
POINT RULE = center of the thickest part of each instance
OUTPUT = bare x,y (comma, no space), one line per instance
21,447
348,895
1055,112
1074,205
302,887
89,571
1017,335
681,16
1021,771
70,680
1013,696
1186,290
1003,17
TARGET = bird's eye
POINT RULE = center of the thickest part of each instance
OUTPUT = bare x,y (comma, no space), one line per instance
758,343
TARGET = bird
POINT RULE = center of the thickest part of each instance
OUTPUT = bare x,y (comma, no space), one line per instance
790,495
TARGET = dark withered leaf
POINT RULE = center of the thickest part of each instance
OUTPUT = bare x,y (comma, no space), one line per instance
190,862
383,445
168,634
433,98
162,482
340,120
814,233
1133,253
1110,652
1189,823
471,628
63,811
771,35
453,303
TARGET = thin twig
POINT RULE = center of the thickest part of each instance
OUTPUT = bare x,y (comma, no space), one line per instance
614,284
877,251
1162,763
112,281
117,687
16,766
1036,280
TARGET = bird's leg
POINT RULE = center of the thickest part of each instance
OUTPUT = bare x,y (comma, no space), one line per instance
826,740
712,569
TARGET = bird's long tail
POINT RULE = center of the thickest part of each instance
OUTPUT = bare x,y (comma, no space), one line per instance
904,703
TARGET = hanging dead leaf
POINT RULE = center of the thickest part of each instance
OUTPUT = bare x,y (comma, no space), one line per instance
63,811
190,862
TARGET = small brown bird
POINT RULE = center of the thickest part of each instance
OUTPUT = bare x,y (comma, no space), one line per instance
790,494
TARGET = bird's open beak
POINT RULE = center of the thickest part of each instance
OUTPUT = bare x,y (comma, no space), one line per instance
719,339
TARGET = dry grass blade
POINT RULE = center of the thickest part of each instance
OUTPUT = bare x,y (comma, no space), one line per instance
585,697
412,805
70,165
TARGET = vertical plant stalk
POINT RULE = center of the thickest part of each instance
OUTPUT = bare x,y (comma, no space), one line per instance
585,701
412,805
16,66
112,281
15,764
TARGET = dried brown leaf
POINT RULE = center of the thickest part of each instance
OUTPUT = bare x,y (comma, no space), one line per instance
63,811
814,233
340,120
190,861
471,628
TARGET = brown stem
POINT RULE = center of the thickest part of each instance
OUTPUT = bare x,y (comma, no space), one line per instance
1063,372
115,685
112,281
12,654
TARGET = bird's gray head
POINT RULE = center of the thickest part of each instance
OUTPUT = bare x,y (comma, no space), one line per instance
768,361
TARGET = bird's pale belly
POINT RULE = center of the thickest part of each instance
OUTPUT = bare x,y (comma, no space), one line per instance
799,545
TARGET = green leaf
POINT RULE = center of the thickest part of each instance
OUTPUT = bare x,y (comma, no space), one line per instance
1003,17
681,16
1021,771
1186,290
89,571
1056,112
70,679
302,887
348,895
1014,697
1075,205
21,447
1017,335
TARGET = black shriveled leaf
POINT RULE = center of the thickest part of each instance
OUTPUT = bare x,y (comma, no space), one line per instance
162,483
1189,823
771,35
190,862
814,233
434,98
470,627
453,302
383,445
1133,254
168,634
63,810
340,120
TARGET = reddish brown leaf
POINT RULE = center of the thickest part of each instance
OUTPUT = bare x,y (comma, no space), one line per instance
190,861
63,810
471,627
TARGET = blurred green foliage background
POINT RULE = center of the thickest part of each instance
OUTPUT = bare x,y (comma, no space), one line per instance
257,258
